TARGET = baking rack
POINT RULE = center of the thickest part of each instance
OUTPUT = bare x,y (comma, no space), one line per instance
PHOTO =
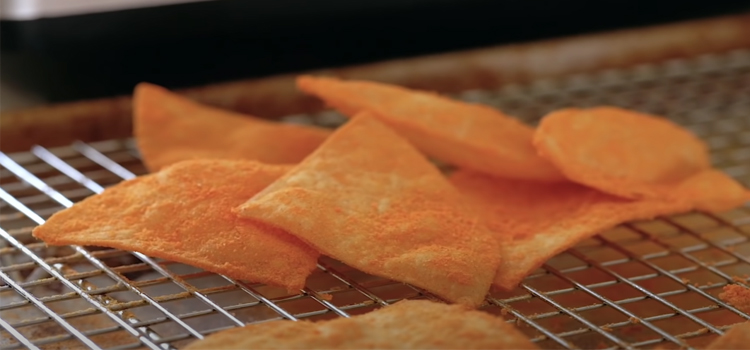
643,284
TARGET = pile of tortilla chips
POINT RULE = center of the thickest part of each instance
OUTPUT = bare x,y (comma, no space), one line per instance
579,173
367,195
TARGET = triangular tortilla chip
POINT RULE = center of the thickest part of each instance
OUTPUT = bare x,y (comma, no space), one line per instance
546,219
408,324
184,213
170,128
736,338
369,199
469,135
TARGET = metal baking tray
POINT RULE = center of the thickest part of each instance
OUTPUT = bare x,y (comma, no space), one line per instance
649,284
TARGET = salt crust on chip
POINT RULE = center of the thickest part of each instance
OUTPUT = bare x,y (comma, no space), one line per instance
369,199
543,220
184,213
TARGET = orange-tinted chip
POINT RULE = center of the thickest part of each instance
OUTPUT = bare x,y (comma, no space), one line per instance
185,213
545,219
736,338
712,190
620,152
472,136
635,155
408,324
369,199
170,128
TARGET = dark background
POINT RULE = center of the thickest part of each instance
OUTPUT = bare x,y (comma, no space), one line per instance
106,54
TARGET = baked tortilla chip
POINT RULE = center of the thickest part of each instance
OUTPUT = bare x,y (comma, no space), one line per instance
713,191
621,152
635,155
736,338
369,199
469,135
184,213
408,324
544,220
170,128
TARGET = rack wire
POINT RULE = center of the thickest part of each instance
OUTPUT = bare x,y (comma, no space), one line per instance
643,284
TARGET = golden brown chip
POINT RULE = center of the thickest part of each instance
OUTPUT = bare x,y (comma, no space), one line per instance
184,213
472,136
369,199
621,152
545,219
412,324
170,128
736,338
737,296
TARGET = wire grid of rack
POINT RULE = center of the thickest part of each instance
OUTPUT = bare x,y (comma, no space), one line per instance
641,285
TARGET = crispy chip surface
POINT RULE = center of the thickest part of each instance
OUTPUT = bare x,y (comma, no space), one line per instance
736,338
170,128
409,324
472,136
713,191
736,295
634,155
546,219
368,198
184,213
621,152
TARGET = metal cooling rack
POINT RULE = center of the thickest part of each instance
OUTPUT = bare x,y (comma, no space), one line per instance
641,285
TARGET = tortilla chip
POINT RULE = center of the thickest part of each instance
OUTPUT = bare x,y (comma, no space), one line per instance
170,128
472,136
736,338
184,213
713,191
621,152
369,199
737,296
408,324
634,155
544,220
